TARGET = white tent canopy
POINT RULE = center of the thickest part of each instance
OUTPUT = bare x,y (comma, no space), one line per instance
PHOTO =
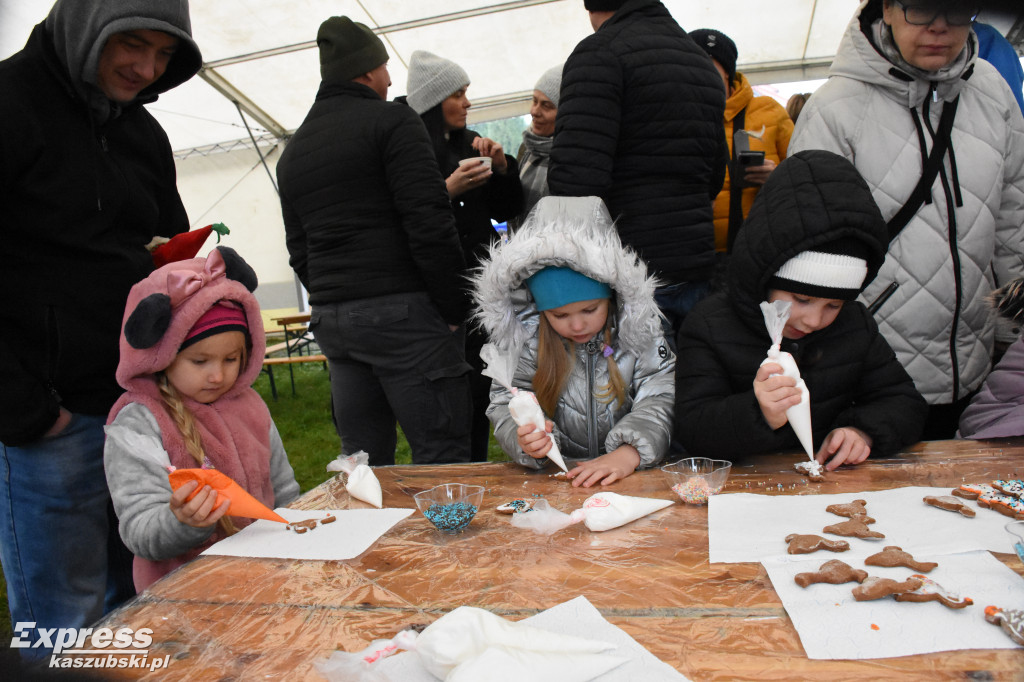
260,57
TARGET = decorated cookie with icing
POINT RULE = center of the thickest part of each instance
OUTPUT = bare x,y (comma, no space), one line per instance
1014,487
833,572
895,556
932,591
853,528
850,510
971,491
1011,620
811,469
1004,504
519,506
949,503
874,587
805,544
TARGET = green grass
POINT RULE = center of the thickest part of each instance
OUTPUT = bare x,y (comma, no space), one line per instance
304,421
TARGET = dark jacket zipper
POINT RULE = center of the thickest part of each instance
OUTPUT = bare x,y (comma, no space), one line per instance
592,348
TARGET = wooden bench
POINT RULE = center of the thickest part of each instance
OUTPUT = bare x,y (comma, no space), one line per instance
270,363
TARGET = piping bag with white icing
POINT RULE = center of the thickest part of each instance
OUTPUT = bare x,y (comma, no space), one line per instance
361,483
776,314
523,407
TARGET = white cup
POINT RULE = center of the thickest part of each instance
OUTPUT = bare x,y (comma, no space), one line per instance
486,159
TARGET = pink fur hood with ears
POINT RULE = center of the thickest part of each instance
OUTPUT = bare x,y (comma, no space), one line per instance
162,308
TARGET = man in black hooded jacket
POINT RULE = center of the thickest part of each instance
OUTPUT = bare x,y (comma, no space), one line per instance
87,179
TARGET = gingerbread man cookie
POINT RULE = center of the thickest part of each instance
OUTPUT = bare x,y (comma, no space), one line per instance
856,527
972,491
1011,620
930,590
812,469
850,510
874,587
1004,504
833,572
1014,487
519,506
949,503
805,544
895,556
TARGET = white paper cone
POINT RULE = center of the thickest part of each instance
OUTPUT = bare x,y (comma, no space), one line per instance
505,664
799,417
362,484
604,511
525,409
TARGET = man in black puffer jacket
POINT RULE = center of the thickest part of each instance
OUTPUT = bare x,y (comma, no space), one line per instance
640,125
370,234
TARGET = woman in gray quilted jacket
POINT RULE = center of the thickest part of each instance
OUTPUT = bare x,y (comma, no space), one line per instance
907,80
578,310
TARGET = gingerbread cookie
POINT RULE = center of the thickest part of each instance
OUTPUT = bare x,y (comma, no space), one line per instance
805,544
850,510
856,527
519,506
1014,487
833,572
894,556
972,491
930,590
949,503
812,469
874,587
1004,504
1011,620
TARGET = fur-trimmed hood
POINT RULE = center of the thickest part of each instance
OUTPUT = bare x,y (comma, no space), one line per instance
575,232
162,308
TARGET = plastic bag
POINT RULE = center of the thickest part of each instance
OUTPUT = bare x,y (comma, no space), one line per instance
361,483
524,408
776,314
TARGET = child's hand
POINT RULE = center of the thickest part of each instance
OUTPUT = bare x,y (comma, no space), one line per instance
775,394
535,443
606,469
199,511
845,445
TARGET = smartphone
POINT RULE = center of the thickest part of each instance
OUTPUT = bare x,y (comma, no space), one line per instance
749,158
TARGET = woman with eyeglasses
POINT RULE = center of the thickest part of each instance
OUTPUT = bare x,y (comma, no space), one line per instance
938,137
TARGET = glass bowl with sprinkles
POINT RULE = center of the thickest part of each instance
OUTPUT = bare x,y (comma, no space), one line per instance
450,506
695,479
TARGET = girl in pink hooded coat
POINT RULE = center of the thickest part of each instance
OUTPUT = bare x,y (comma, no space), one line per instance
190,348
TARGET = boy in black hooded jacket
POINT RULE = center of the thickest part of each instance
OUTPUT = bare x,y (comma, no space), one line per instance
815,237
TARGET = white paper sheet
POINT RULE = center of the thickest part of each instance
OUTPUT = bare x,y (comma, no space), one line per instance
832,624
348,537
576,617
747,527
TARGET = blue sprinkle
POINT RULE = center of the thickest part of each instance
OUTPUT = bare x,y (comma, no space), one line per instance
451,518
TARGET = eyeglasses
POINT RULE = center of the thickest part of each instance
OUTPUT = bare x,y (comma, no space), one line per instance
957,14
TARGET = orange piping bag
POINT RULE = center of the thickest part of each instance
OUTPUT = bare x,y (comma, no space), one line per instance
242,503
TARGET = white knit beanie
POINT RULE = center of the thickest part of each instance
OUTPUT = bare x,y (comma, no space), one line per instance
550,83
431,80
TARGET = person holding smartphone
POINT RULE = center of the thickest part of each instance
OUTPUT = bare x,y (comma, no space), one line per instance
758,150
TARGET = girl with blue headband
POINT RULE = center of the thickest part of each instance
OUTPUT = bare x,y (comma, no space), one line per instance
575,311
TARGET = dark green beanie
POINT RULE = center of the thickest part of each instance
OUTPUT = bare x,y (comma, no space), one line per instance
348,49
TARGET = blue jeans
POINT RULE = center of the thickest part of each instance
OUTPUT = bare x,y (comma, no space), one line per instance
63,560
676,301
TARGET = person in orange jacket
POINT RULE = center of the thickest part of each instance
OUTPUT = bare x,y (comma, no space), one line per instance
769,129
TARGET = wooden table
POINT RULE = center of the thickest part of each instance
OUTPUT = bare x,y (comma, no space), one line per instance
245,619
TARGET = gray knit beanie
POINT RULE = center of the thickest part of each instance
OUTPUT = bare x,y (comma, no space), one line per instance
348,49
550,83
431,80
